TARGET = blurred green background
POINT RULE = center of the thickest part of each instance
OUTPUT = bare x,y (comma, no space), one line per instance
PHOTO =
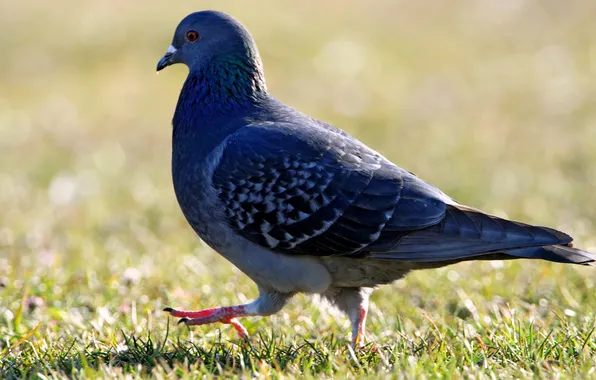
492,101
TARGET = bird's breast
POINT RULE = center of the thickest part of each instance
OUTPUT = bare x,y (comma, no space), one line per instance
198,200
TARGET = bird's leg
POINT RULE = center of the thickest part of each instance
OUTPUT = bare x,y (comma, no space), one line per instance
266,304
353,302
225,315
359,326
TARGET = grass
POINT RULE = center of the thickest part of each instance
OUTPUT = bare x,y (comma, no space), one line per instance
491,101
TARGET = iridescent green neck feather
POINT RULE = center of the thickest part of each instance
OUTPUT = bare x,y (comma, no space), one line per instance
223,85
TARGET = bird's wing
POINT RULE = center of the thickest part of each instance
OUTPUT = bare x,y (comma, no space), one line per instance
311,191
308,191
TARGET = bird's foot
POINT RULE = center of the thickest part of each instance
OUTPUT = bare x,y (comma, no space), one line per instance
225,315
358,342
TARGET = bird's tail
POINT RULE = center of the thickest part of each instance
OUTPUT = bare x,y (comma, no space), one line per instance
557,253
467,234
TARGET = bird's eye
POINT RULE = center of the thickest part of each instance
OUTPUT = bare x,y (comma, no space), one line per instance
192,36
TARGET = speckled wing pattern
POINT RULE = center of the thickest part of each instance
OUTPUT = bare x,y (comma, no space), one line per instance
304,190
310,191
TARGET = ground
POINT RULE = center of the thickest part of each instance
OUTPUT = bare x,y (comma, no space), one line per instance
491,101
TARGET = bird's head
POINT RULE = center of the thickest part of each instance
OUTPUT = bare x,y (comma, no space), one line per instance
204,37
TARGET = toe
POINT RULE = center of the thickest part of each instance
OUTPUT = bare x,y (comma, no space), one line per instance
183,320
240,329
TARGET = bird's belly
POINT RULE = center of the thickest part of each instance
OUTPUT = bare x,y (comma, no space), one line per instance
347,272
269,270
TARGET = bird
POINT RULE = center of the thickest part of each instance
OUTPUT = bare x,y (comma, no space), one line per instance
300,206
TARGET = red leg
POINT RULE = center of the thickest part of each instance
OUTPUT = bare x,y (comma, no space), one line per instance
205,313
266,304
225,315
358,335
353,302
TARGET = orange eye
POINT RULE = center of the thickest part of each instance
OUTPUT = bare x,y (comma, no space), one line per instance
192,36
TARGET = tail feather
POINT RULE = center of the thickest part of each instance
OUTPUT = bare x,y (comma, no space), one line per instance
467,234
557,253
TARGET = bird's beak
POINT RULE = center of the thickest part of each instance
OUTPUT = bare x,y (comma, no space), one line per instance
167,59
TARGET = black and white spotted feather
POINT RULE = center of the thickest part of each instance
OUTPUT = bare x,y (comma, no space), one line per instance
293,193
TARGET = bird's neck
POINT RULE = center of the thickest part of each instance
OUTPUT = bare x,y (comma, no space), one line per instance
224,86
212,100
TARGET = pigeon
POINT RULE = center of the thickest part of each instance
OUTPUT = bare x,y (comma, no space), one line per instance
301,206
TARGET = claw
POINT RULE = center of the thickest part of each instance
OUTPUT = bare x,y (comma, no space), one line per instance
183,320
168,309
